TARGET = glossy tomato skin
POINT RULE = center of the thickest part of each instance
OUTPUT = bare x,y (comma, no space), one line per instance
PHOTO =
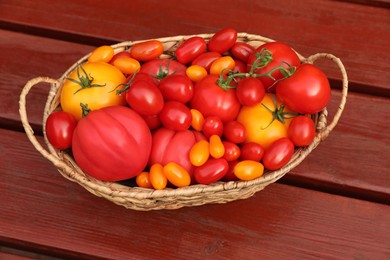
59,129
242,51
152,121
190,49
252,151
177,88
212,125
230,176
222,40
122,54
232,151
212,100
176,116
250,91
234,132
307,91
239,66
301,131
160,68
147,50
112,143
213,170
206,59
278,154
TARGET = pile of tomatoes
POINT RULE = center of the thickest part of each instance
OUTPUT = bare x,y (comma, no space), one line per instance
219,110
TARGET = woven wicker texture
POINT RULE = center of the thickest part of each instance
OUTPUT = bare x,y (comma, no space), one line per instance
147,199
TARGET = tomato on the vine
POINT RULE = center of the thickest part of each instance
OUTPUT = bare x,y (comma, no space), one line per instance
213,170
250,91
160,68
59,129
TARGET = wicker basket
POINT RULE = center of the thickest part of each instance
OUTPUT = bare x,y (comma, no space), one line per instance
147,199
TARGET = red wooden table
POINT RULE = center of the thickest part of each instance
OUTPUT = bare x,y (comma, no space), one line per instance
335,205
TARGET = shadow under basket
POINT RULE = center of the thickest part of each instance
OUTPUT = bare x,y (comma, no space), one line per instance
143,199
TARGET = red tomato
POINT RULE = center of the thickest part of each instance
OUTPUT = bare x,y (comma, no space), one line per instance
152,121
223,40
212,125
176,116
190,49
206,59
301,131
212,100
230,176
59,129
213,170
278,154
142,76
242,51
160,68
145,98
234,132
177,88
239,67
281,54
307,91
112,143
250,91
252,151
147,50
232,151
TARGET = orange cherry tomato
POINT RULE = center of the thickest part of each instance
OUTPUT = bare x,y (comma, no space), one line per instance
196,72
143,181
197,119
127,65
147,50
248,170
222,65
177,175
103,53
217,149
199,153
157,177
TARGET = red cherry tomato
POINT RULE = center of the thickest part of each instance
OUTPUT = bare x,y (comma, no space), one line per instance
239,67
212,125
252,151
234,132
147,50
250,91
59,129
301,131
213,170
177,88
242,51
232,151
223,40
152,121
206,59
176,116
278,154
230,176
190,49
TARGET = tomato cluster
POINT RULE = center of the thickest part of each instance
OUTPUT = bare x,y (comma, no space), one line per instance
218,110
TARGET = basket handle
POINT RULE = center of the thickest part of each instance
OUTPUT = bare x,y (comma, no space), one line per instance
326,131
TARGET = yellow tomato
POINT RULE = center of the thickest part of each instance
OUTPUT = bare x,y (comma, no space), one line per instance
199,153
103,53
217,149
177,175
127,65
248,170
196,72
92,84
197,119
143,180
157,177
261,122
222,65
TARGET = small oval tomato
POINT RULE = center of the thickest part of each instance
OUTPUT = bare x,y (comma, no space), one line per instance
177,175
143,180
301,131
230,176
122,54
177,88
252,151
197,119
216,147
212,125
250,91
222,65
152,121
147,50
190,49
59,129
222,40
248,170
157,177
176,116
213,170
232,151
127,65
200,153
196,72
278,154
234,132
206,59
242,51
145,98
103,53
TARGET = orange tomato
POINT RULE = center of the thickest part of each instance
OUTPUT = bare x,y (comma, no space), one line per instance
147,50
103,53
222,65
199,153
157,177
143,181
177,175
197,119
196,72
217,149
127,65
248,170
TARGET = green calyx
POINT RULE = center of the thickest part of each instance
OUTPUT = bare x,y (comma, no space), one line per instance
84,81
278,113
84,110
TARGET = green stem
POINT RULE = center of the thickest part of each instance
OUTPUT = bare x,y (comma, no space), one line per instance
84,81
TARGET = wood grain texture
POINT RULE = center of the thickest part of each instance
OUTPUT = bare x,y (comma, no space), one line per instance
39,206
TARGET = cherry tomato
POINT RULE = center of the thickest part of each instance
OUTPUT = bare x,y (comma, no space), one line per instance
248,170
217,149
234,132
213,170
223,40
242,51
177,175
126,65
206,59
177,88
230,176
122,54
103,53
278,154
157,177
145,98
152,121
143,180
232,151
252,151
212,125
190,49
250,91
160,68
200,153
196,72
147,50
197,120
176,116
59,129
239,67
301,131
222,65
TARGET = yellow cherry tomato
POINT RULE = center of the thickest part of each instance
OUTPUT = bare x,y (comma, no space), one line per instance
177,175
127,65
217,149
197,119
222,65
157,177
196,72
143,181
103,53
248,170
200,153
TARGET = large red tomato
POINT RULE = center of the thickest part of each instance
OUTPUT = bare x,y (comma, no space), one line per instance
112,143
160,68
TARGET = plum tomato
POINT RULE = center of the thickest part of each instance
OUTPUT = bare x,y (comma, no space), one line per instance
176,116
176,88
206,59
222,40
278,154
157,177
252,151
250,91
147,50
248,170
103,53
239,67
301,131
213,170
232,151
200,153
143,180
177,175
190,49
196,72
242,51
223,65
234,132
212,125
152,121
59,129
230,176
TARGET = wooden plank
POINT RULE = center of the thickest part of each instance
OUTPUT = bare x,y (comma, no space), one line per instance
42,208
310,27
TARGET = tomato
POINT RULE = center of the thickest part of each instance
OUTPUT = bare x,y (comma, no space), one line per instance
212,125
250,91
112,143
152,121
222,65
197,119
190,49
234,132
200,153
278,154
176,116
145,98
216,147
252,151
147,50
196,72
122,54
160,68
59,129
239,67
142,76
126,65
248,170
222,40
242,51
206,59
157,177
306,91
232,151
301,131
177,88
143,180
281,54
230,176
177,175
264,121
92,84
212,100
213,170
103,53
